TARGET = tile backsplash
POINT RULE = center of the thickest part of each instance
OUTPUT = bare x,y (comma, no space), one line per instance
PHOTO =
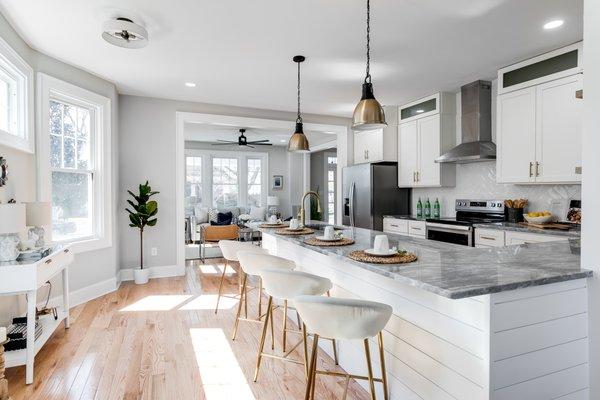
478,181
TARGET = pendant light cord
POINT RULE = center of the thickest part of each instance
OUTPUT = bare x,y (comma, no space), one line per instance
368,75
299,117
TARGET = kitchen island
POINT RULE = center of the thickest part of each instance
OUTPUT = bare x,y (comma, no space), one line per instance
500,323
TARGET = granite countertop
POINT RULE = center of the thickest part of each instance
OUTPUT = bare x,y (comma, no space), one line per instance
456,271
574,232
409,217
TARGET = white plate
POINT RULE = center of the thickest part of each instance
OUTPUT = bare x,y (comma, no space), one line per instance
324,239
373,252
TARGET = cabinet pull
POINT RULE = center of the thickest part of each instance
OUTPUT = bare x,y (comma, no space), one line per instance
487,238
48,261
418,176
367,154
531,169
415,229
414,176
66,251
395,226
537,168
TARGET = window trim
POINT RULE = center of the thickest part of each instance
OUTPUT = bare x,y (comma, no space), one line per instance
49,88
242,157
25,141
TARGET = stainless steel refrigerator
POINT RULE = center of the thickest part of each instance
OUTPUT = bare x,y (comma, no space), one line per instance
371,191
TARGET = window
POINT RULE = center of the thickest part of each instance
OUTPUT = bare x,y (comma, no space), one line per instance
254,182
74,163
193,183
16,100
331,183
225,182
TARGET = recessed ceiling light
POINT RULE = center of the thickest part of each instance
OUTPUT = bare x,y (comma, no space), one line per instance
283,141
555,23
419,111
190,84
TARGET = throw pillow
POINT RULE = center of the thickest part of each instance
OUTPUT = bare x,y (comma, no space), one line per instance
212,214
257,213
201,214
224,218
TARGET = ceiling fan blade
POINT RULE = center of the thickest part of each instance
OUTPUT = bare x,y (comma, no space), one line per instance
224,144
258,141
249,146
263,144
227,141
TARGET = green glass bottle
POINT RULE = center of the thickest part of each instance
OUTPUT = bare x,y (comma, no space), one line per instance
427,208
436,209
419,209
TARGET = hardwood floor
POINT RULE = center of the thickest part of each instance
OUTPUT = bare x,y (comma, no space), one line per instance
163,341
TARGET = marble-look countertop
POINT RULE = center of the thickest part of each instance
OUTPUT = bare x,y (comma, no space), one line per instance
456,271
575,232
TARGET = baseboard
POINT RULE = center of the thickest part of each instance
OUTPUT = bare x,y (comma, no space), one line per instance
85,294
166,271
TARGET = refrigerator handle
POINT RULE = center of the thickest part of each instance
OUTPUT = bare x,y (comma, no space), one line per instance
352,185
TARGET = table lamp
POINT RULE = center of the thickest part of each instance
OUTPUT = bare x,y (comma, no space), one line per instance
12,222
39,215
272,204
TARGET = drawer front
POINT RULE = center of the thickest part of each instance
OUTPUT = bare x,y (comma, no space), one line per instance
53,265
416,228
394,225
489,237
513,238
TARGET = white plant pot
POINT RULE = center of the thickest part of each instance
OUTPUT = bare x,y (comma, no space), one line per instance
140,276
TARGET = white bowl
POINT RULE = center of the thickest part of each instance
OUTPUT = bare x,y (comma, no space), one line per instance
539,220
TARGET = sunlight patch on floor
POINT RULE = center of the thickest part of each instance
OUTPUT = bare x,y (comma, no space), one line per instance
209,301
214,269
158,303
222,377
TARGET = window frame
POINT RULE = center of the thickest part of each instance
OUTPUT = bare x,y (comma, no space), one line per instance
242,157
100,155
186,156
24,139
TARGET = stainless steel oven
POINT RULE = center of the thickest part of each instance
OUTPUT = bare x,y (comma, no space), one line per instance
456,234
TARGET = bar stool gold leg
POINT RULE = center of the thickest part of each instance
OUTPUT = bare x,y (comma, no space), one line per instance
259,299
239,310
382,361
309,393
369,369
262,339
285,308
221,286
305,346
272,328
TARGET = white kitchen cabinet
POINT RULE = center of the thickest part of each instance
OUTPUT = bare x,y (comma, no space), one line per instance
513,238
395,225
416,229
425,132
539,119
380,144
489,238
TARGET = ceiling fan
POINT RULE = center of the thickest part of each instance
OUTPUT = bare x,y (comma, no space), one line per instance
243,141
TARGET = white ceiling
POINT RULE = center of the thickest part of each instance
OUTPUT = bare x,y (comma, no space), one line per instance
278,137
239,52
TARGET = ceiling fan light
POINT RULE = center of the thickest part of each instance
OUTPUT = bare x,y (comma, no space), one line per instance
298,142
123,32
368,114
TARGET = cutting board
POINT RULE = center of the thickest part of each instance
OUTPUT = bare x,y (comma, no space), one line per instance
551,225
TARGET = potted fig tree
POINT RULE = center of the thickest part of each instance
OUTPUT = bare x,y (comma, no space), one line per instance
143,214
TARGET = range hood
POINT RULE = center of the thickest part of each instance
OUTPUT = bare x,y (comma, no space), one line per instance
476,124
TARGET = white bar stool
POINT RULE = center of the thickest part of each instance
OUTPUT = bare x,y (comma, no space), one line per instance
252,263
348,319
230,248
286,286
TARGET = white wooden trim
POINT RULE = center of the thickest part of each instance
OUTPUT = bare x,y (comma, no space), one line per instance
50,87
26,142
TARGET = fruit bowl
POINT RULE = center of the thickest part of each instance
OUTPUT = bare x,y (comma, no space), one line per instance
541,219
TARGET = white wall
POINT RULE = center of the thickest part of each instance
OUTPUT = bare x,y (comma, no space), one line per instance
590,256
278,165
147,151
91,267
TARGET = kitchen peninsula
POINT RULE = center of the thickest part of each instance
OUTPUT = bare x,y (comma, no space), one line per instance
498,323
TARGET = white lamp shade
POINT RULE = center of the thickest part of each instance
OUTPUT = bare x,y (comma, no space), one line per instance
38,213
12,218
272,200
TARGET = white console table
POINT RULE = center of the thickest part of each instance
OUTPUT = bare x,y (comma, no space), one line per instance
27,276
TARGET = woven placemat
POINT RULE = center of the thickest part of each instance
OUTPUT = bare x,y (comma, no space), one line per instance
272,225
405,258
313,241
288,231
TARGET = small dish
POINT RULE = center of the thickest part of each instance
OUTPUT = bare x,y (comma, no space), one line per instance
324,239
388,253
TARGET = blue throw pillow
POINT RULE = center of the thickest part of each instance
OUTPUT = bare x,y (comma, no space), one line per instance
223,219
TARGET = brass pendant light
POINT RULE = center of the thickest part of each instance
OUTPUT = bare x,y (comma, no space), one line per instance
299,142
368,113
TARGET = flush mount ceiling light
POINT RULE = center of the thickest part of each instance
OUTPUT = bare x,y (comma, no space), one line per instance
123,32
368,113
298,142
555,23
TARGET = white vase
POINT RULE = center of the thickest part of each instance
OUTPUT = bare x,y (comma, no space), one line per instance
140,276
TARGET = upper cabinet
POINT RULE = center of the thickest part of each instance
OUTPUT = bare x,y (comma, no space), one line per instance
427,129
539,119
380,144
